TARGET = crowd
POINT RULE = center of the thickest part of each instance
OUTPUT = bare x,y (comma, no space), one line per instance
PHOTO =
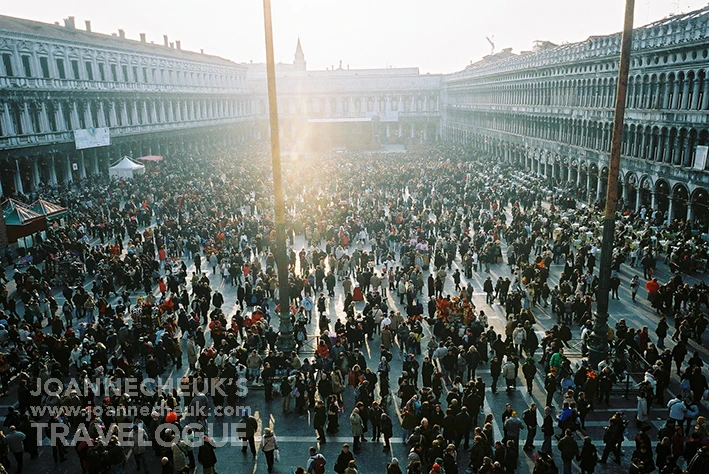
376,226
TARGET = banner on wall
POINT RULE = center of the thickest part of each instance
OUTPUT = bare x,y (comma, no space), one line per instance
92,137
700,157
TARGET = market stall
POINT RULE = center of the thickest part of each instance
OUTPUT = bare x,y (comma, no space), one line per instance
126,169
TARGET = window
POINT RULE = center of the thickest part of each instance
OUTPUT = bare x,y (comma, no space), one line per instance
44,65
26,66
75,69
16,117
66,112
136,77
125,73
52,116
89,70
145,75
60,68
114,72
7,62
101,72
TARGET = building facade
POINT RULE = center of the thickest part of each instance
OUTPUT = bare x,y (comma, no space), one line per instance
398,105
154,99
551,111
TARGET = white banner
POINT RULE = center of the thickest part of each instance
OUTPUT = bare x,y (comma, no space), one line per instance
92,137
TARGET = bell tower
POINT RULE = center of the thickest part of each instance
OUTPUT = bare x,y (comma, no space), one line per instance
299,62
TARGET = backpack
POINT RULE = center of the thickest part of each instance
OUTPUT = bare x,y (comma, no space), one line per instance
319,465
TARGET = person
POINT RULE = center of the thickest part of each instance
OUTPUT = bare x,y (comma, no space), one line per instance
207,456
547,431
393,467
319,420
343,459
269,446
357,429
634,284
530,420
138,445
512,426
166,466
387,428
249,424
613,437
569,450
316,462
588,457
351,467
15,441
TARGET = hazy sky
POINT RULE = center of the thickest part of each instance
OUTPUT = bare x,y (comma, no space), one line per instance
437,36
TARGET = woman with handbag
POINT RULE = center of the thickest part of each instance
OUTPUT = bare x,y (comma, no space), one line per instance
269,446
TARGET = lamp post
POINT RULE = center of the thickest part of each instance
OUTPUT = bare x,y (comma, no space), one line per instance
598,343
285,342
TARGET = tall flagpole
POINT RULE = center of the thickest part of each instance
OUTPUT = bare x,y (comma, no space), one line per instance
286,341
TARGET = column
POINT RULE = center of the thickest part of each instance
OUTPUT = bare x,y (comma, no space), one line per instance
690,210
101,119
43,117
412,130
53,172
82,166
637,199
35,174
95,163
75,124
112,114
18,178
625,194
388,132
67,170
400,131
695,94
599,186
653,200
671,209
588,185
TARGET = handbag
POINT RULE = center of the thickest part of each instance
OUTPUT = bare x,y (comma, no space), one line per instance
277,455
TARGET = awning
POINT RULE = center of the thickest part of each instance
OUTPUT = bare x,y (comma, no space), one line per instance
50,210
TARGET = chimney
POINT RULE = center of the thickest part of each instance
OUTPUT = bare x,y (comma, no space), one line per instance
69,23
88,25
172,45
201,51
177,45
142,37
122,34
164,38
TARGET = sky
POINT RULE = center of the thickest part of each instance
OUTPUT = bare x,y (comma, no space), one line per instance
440,36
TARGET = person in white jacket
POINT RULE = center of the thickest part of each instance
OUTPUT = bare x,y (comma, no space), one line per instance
643,413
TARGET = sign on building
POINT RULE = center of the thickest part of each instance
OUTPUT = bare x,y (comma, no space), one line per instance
92,137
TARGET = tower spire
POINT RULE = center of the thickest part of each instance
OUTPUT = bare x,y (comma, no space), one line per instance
299,59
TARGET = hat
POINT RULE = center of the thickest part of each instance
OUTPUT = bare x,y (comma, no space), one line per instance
345,445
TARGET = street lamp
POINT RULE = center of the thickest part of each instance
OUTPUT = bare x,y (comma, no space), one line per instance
286,341
598,343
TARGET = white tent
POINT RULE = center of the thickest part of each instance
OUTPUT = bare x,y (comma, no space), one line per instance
126,168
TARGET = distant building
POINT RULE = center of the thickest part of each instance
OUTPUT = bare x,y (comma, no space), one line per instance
551,112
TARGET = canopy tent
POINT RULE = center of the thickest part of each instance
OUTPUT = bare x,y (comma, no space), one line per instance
21,221
126,168
151,158
49,210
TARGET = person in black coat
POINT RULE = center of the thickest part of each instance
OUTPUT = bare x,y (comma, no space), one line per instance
343,459
319,419
463,425
206,456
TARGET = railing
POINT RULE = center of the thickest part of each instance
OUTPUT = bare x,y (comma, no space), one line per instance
80,84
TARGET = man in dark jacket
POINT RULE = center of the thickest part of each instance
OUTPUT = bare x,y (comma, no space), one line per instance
206,456
249,425
319,419
463,425
530,420
569,450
